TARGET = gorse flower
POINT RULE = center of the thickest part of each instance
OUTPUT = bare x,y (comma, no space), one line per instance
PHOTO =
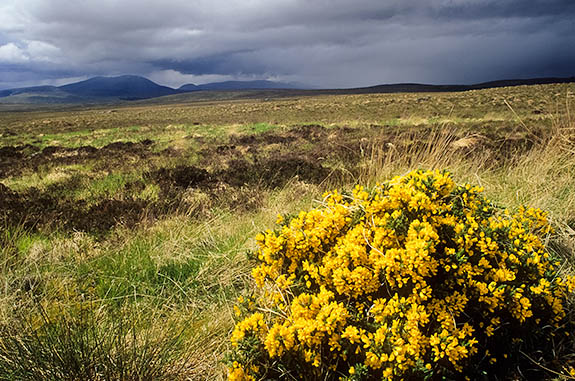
417,278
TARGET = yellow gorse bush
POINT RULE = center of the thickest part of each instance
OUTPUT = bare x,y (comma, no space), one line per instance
416,278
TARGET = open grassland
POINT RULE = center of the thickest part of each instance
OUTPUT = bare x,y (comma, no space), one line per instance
124,231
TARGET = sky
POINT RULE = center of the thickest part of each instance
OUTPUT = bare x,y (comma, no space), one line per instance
319,43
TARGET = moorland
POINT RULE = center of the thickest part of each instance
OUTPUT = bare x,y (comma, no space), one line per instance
125,228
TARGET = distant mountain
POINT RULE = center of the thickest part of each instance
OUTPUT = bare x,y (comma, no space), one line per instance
93,90
130,87
239,85
127,87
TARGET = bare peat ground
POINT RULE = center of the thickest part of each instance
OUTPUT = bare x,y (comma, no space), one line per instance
237,165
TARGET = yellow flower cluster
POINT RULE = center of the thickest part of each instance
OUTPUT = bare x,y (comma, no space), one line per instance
414,278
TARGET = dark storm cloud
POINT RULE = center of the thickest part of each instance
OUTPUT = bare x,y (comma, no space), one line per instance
505,9
330,43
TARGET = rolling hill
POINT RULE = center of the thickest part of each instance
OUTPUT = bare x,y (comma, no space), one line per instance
44,95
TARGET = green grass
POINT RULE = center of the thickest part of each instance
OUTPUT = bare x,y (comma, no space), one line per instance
107,186
177,269
257,128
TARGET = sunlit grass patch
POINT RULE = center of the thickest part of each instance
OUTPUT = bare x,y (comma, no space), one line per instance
108,186
257,128
45,177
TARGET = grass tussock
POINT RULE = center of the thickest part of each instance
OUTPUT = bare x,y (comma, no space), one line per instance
89,344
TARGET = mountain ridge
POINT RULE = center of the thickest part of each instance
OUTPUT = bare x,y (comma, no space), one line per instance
131,87
120,88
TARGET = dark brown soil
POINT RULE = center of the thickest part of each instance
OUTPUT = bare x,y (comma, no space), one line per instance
15,160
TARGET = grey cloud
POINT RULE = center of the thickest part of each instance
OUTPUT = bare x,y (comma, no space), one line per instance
330,43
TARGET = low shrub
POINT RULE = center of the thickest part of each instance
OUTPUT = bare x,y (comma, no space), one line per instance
417,278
